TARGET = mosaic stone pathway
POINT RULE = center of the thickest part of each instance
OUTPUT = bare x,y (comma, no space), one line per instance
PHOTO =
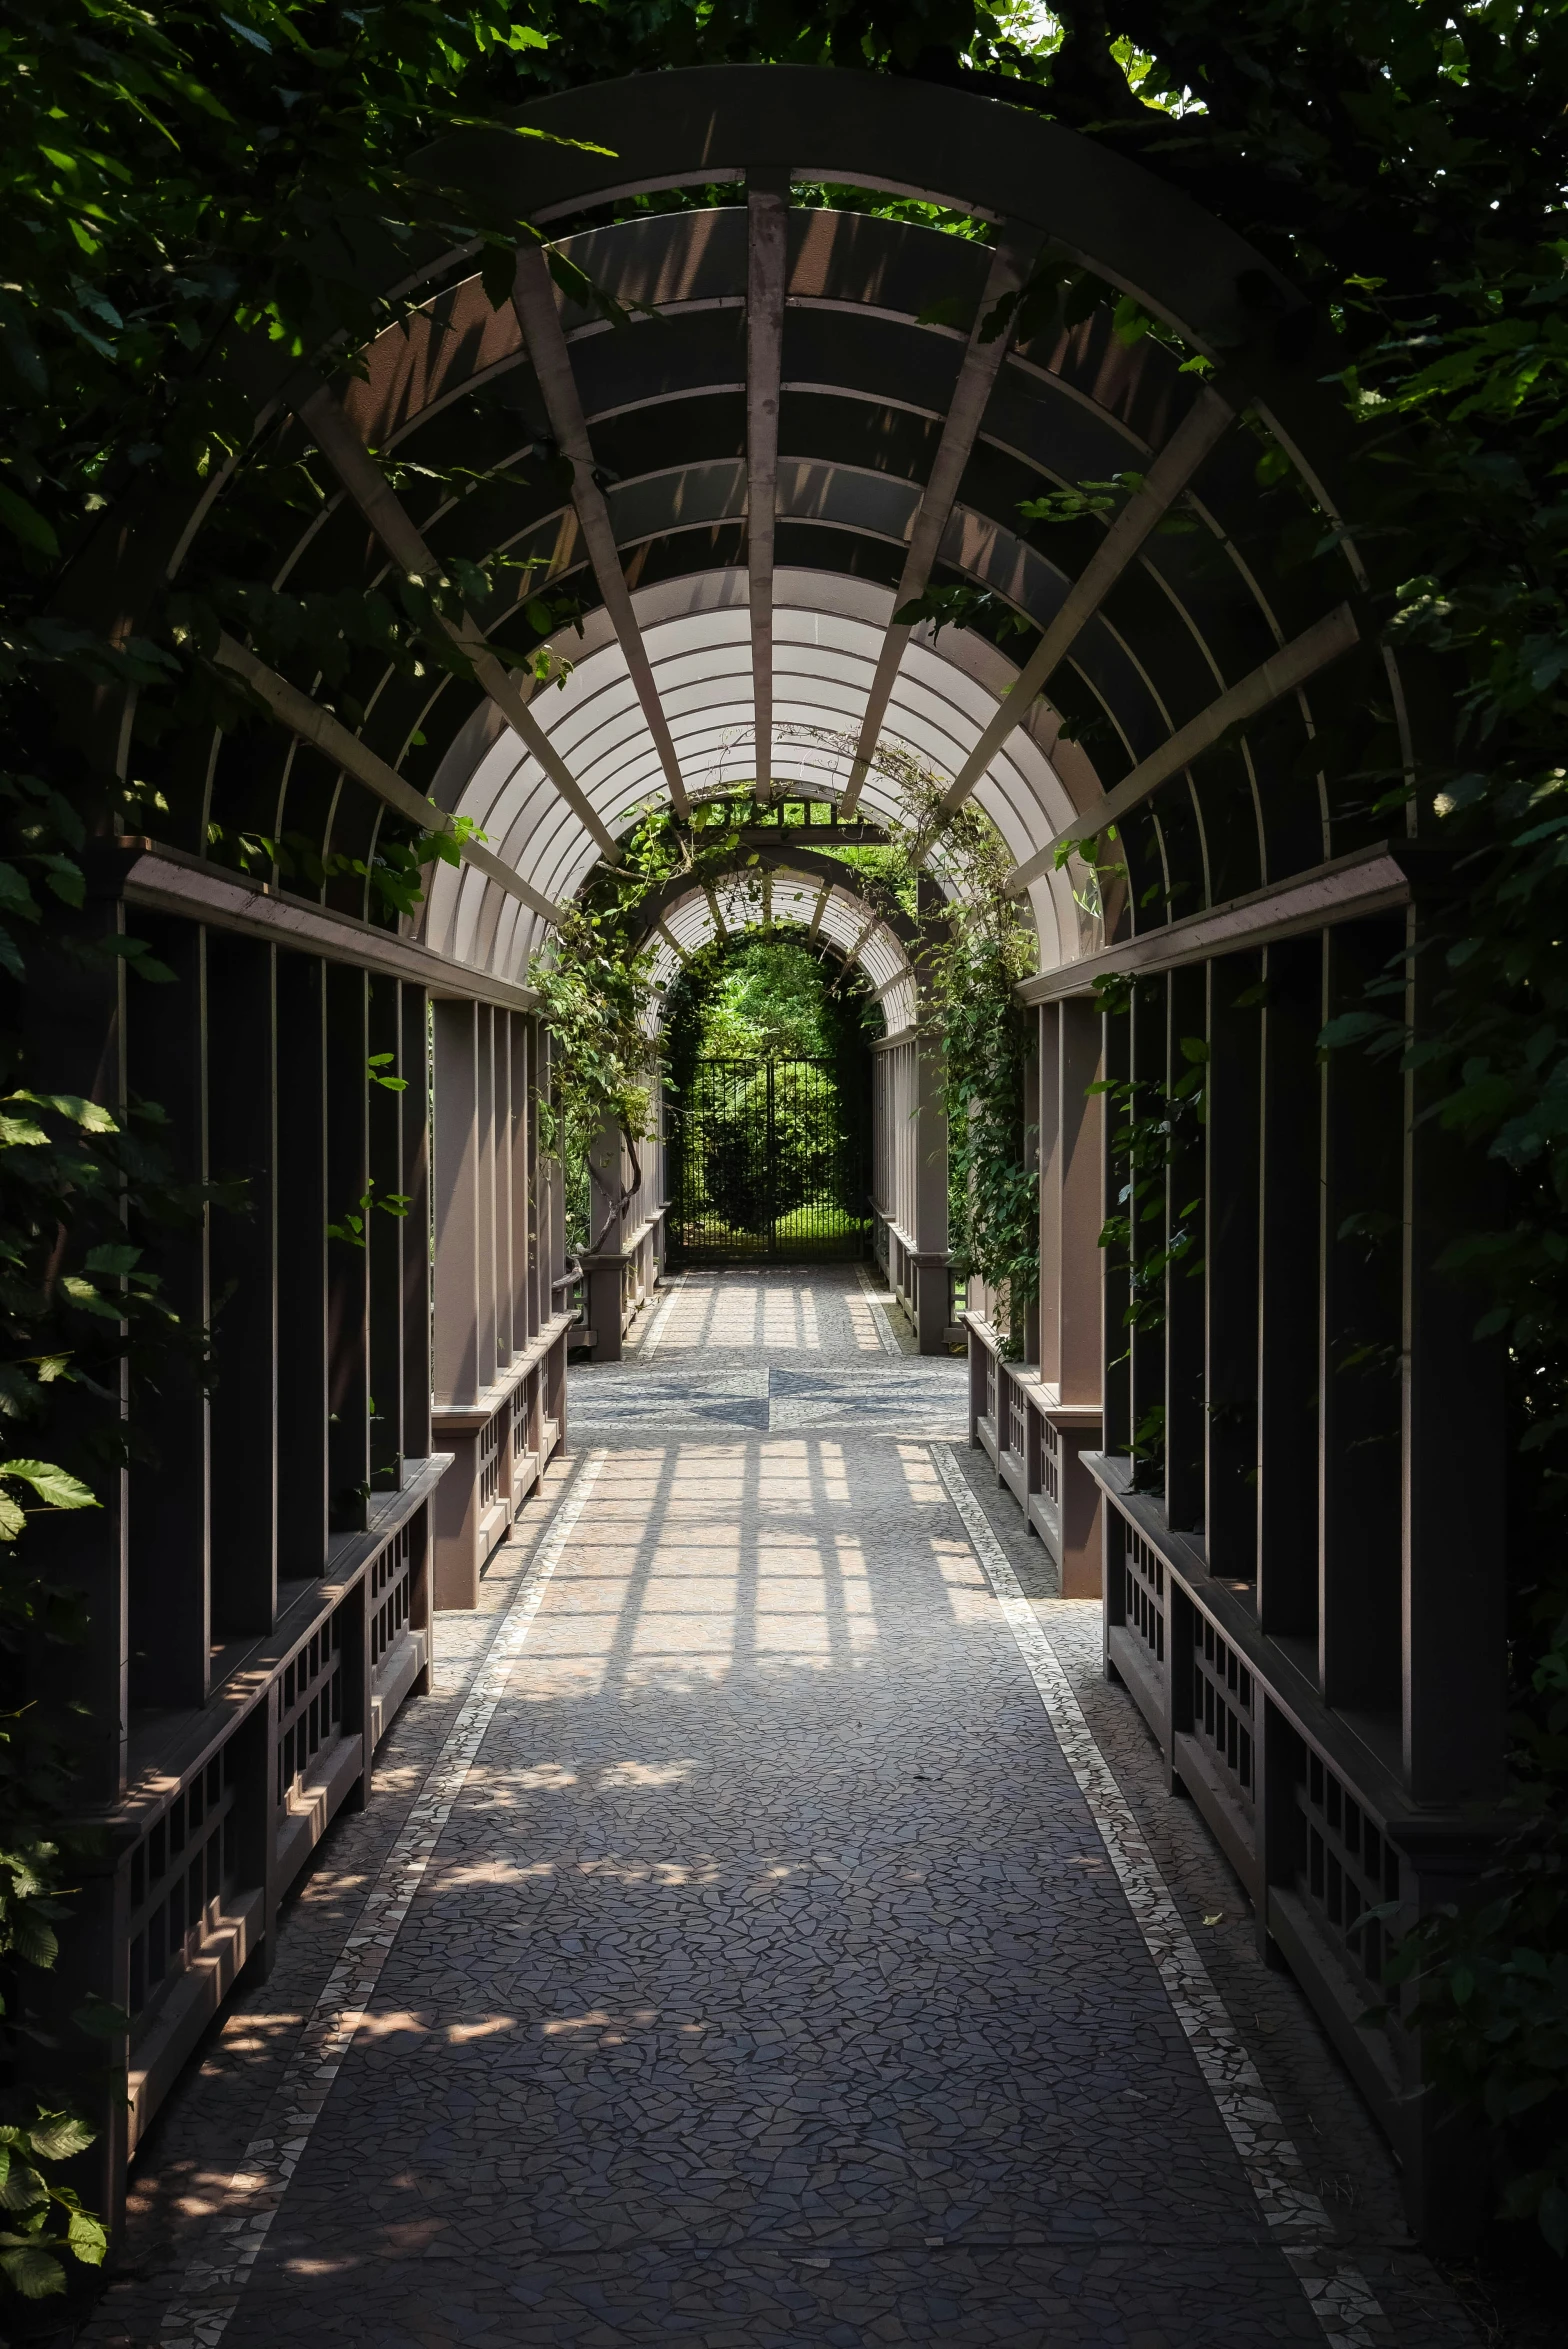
761,1967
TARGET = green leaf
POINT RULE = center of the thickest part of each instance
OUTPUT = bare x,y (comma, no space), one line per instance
24,2189
32,2273
54,1487
26,523
91,1116
115,1258
86,1298
87,2239
57,2136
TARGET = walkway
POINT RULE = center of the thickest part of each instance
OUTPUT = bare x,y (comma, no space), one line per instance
767,1943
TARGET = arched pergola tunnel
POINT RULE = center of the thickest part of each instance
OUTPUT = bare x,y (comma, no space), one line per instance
810,417
790,889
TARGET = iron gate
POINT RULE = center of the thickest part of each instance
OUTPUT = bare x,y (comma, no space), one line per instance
768,1158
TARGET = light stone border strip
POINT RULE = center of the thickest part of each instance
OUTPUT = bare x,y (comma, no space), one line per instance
875,1298
211,2287
660,1322
1339,2295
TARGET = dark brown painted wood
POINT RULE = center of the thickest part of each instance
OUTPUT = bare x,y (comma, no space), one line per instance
1359,1382
1230,1378
242,1155
1184,1225
1454,1457
302,1267
348,1257
1287,1280
414,1066
169,1498
387,1234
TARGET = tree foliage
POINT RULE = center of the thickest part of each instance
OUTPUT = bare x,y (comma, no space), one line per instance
176,178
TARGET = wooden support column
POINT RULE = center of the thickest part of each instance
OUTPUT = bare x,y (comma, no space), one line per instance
1116,1387
460,1371
242,1148
517,1182
414,1067
606,1235
538,1301
1453,1457
170,1491
1360,1388
386,1232
75,1025
348,1258
1289,1242
932,1278
1230,1251
1186,1033
303,1216
488,1228
1149,1050
1071,1339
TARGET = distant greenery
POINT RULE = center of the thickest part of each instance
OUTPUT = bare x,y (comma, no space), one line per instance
768,1001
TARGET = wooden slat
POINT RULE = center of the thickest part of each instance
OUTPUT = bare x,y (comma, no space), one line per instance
1167,477
312,723
533,298
1280,674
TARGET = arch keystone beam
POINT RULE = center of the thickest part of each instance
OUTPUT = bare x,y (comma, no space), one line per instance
1291,666
1167,477
533,298
767,247
1010,266
382,508
308,720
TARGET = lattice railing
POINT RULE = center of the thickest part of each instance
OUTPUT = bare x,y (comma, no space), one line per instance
491,1437
387,1593
1223,1702
1145,1592
309,1705
1051,1462
1017,1418
180,1871
1346,1865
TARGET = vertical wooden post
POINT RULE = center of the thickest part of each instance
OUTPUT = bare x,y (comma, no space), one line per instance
76,1042
348,1258
1289,1241
1079,1178
387,1233
517,1187
242,1148
1053,1267
1359,1382
461,1368
485,1225
606,1227
1186,1017
933,1283
302,1267
1148,1061
414,1064
1116,1400
1453,1458
170,1492
457,1178
1080,1124
1230,1250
